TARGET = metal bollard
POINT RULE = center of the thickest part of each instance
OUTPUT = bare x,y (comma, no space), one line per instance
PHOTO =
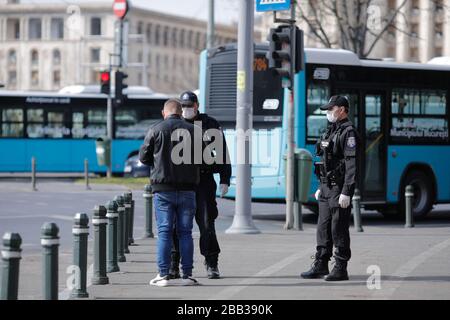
50,243
99,222
113,217
148,197
127,204
357,210
33,174
86,174
130,232
80,233
11,255
120,229
409,194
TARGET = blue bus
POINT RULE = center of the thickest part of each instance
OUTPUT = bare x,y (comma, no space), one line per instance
401,111
60,129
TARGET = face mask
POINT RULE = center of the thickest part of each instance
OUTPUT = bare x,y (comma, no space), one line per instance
331,116
189,113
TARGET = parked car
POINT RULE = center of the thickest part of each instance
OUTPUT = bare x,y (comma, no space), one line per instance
135,168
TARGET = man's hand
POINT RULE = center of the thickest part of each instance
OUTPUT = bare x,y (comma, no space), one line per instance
223,189
344,201
317,194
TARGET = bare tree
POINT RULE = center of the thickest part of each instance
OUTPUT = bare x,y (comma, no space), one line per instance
360,23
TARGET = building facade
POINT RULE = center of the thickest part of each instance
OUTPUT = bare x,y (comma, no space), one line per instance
421,30
47,47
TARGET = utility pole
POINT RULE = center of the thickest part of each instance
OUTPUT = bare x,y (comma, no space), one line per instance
210,37
242,221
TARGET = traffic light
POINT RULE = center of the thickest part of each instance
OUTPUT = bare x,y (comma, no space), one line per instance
281,53
105,82
120,86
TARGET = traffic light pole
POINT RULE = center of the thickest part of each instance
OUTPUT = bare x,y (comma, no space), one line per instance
242,221
109,120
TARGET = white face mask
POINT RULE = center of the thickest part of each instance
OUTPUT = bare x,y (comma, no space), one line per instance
189,113
331,116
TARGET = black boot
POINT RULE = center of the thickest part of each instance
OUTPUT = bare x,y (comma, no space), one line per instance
318,269
339,272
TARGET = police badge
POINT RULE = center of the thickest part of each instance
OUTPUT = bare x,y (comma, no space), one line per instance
351,142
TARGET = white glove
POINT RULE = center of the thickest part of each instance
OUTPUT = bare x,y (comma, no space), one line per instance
344,201
223,189
317,194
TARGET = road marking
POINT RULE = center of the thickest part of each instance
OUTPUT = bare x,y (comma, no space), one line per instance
388,289
232,291
61,217
22,217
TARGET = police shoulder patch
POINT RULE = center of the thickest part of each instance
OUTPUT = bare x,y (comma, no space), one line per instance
351,142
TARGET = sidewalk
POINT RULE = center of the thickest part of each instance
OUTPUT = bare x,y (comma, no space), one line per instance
413,265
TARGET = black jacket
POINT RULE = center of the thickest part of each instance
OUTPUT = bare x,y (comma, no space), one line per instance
156,151
221,166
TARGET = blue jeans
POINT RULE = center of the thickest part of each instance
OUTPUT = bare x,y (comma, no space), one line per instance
175,207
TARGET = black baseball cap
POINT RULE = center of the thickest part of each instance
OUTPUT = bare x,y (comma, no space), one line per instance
188,98
340,101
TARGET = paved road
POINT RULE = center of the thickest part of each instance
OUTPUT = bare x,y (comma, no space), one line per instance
413,262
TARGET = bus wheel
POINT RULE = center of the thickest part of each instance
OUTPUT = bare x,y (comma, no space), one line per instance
423,193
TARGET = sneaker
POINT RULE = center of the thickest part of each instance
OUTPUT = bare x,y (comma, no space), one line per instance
213,272
189,281
160,281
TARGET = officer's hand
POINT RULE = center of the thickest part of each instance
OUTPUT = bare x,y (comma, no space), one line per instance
317,194
344,201
223,189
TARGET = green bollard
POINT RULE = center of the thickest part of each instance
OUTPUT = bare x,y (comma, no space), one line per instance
148,203
120,229
113,217
99,222
11,255
130,232
409,195
50,243
127,205
357,210
80,233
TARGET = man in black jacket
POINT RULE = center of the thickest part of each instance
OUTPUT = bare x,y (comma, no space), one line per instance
206,212
168,148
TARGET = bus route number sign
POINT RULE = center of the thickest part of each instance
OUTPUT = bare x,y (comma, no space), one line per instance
272,5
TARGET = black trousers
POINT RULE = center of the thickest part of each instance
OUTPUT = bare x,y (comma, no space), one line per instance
205,216
333,225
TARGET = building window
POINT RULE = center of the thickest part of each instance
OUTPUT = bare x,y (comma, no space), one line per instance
149,33
197,41
35,29
96,26
34,78
150,60
174,37
56,57
182,38
166,68
139,57
12,79
95,55
166,36
190,43
140,28
157,35
12,58
56,78
57,28
34,58
158,66
13,29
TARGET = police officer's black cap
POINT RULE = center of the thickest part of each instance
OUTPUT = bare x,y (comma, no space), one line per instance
339,101
188,98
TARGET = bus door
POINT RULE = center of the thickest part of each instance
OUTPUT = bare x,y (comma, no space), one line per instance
372,175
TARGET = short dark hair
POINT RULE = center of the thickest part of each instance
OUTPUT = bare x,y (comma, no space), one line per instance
173,106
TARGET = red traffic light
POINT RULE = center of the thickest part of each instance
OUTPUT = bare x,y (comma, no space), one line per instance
104,77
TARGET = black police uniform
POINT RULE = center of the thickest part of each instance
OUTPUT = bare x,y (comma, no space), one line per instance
337,175
207,212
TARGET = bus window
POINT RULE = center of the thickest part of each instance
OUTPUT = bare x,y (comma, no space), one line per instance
56,127
134,123
35,123
78,125
419,115
316,120
12,123
96,123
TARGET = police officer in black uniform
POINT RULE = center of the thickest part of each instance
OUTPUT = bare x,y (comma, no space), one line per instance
337,175
206,212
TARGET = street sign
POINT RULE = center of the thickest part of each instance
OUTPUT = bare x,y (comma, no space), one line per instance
272,5
120,8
